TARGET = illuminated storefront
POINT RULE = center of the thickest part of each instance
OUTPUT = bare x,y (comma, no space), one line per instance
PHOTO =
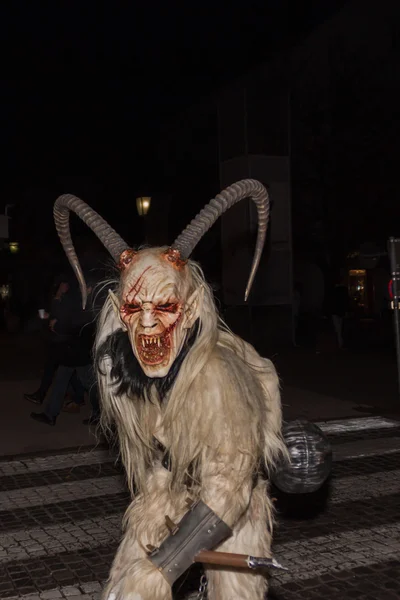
367,282
357,286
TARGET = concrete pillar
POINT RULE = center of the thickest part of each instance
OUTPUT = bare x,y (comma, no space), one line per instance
254,143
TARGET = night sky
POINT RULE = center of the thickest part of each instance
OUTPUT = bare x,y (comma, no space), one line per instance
87,87
87,84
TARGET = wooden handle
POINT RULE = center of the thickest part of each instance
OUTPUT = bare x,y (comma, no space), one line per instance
238,561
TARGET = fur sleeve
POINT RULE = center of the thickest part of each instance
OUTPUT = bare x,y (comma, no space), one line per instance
243,406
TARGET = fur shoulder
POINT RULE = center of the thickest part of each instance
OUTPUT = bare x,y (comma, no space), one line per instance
260,367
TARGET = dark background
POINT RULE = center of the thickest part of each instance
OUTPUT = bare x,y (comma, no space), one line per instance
87,86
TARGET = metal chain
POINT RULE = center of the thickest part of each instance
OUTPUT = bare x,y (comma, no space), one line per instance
202,595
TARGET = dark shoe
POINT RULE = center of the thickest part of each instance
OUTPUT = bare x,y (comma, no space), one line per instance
43,418
93,420
36,398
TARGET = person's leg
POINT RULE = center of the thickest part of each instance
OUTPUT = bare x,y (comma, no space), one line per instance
48,375
88,380
78,389
338,325
56,397
50,368
85,376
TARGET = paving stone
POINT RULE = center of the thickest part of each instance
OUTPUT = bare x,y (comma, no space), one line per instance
64,549
88,588
71,591
62,512
28,479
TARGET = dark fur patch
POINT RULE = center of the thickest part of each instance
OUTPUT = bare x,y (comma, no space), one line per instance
126,372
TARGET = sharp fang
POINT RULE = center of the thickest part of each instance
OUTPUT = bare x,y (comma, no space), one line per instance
158,342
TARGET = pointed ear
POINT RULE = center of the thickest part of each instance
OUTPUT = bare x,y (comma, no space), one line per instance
116,307
193,307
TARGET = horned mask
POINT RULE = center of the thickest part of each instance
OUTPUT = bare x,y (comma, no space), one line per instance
156,304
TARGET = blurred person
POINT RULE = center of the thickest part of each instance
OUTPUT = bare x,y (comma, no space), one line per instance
77,327
340,302
55,341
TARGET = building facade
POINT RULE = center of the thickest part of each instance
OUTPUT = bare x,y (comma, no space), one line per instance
298,124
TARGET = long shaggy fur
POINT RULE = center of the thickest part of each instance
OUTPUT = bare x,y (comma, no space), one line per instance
218,412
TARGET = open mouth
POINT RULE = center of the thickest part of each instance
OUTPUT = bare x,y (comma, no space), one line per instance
153,349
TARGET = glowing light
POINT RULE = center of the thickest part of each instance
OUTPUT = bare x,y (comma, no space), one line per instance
143,205
5,291
14,247
357,272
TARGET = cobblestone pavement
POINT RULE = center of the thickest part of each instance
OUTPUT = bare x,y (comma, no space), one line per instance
60,523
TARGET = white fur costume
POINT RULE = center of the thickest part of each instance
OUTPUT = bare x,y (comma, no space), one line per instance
219,418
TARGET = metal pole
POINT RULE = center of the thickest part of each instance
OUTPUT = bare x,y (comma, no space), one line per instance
394,254
397,334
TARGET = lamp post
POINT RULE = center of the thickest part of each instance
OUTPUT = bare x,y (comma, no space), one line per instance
143,207
394,256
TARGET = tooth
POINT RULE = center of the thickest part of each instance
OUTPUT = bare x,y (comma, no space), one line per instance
158,342
143,342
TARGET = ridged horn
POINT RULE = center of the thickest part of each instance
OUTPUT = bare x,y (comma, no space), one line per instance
106,234
247,188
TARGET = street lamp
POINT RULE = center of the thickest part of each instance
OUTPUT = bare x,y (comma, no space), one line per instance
143,205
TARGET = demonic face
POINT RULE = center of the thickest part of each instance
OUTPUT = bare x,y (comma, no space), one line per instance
155,310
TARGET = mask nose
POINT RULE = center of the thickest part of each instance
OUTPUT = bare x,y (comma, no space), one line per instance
147,319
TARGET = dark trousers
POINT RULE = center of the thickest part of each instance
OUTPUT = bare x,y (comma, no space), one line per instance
50,368
61,381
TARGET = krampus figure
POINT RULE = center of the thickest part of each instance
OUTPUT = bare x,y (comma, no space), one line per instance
196,409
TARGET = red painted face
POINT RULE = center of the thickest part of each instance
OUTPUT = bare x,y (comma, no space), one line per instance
153,312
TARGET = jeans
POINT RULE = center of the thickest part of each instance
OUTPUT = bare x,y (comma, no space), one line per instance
75,385
61,382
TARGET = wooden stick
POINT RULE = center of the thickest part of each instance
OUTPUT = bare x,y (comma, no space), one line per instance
238,561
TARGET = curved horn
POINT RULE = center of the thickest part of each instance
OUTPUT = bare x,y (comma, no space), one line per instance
247,188
106,234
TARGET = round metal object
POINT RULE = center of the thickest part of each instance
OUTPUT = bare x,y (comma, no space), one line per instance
311,459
